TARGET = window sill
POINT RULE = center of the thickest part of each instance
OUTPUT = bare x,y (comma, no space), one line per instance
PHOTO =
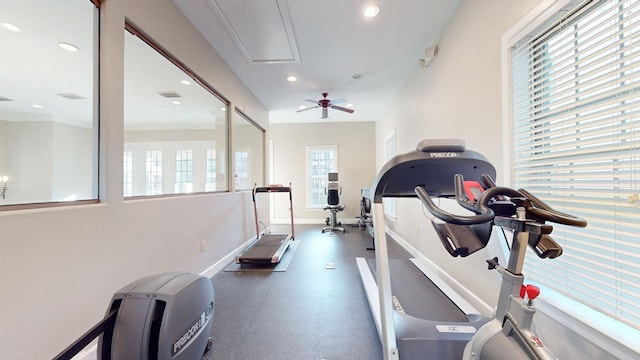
610,335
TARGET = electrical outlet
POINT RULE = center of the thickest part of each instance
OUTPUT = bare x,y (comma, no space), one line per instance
202,246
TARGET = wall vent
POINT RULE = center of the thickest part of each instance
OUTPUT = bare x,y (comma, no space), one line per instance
169,94
71,96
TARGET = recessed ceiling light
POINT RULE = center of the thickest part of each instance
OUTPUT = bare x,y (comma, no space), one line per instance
371,11
223,109
36,106
302,107
176,102
291,78
185,82
10,27
350,105
68,47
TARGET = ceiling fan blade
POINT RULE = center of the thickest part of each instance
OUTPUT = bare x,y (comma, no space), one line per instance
337,101
342,109
313,101
309,108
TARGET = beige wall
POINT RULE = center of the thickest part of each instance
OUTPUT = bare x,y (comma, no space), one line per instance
356,164
460,96
457,96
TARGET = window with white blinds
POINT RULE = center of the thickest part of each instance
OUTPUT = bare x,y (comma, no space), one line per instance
576,135
321,160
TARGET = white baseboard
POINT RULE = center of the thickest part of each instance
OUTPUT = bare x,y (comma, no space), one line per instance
222,263
311,221
89,353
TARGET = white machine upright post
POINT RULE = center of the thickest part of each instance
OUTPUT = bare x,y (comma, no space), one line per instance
387,327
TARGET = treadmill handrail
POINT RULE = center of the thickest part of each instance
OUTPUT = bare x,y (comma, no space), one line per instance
270,189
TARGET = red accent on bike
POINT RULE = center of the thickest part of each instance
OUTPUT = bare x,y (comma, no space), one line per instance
473,190
533,291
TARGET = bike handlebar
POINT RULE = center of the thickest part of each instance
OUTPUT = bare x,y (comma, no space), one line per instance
537,208
484,215
543,211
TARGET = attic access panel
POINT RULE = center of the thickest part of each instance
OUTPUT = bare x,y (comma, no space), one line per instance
261,29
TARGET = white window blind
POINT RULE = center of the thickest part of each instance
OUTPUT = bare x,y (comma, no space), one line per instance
576,132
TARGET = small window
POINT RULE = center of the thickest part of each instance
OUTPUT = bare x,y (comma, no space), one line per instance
321,160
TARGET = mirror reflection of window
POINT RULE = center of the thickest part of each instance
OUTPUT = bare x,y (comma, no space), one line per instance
248,141
211,170
184,171
48,102
175,129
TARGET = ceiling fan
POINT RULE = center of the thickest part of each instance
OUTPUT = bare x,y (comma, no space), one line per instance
325,104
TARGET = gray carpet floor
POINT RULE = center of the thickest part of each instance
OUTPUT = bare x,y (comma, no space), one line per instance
310,311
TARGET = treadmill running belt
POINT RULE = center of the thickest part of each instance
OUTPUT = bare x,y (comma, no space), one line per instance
417,295
264,248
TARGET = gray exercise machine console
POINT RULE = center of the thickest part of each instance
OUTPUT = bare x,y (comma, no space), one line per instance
161,317
431,166
445,168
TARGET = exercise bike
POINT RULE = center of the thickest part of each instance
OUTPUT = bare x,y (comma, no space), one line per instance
508,335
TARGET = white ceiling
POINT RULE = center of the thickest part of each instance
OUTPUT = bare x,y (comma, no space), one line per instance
333,40
329,41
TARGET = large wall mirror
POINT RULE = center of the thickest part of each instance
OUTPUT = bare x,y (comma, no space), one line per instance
48,102
175,128
248,141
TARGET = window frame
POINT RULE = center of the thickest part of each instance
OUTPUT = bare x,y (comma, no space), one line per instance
310,205
573,314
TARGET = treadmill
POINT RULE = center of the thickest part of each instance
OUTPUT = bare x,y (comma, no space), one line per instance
415,319
268,248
